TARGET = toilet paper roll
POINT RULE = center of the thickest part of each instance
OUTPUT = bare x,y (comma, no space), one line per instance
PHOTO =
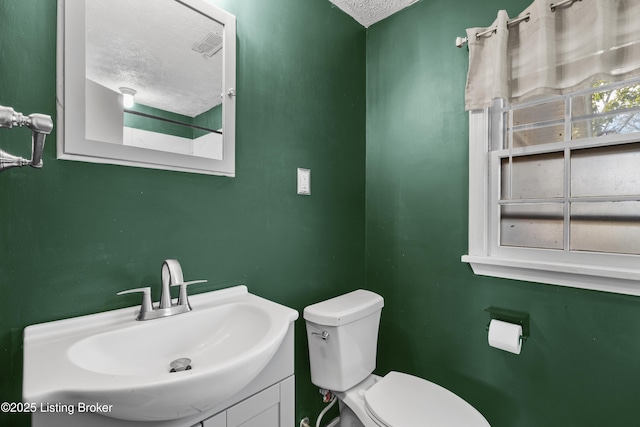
505,336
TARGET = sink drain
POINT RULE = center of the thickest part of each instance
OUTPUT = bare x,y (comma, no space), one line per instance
178,365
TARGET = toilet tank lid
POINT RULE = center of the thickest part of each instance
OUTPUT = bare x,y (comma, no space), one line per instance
344,309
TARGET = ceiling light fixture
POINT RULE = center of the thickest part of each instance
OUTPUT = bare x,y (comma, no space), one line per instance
127,96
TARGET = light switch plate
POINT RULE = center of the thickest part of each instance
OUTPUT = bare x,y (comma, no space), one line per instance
304,181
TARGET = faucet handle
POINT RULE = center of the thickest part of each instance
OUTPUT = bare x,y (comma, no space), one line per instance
191,282
183,298
146,305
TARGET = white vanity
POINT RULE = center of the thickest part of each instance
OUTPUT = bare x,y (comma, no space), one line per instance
241,370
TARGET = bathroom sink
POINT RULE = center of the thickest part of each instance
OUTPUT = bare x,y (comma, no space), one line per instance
124,365
208,337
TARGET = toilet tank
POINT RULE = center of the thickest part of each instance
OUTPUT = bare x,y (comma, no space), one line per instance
346,353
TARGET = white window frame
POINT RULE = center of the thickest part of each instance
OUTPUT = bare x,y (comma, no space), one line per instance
618,273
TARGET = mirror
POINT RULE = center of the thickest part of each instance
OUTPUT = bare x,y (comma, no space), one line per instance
177,59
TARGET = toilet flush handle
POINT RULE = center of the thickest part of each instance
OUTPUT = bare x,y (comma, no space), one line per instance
324,335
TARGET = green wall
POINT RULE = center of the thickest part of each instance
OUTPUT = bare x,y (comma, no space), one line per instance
210,119
155,125
580,367
73,234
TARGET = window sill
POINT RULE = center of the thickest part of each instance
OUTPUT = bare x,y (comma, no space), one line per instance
599,278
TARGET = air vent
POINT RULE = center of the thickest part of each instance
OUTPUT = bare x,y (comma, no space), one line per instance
209,45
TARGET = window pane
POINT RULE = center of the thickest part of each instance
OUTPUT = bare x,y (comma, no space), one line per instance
611,125
606,101
535,177
532,225
553,110
606,171
606,227
505,179
543,135
613,109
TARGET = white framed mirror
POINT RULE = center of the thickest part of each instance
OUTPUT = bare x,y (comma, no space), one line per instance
177,58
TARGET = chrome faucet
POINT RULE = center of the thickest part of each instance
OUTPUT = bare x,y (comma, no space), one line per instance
171,276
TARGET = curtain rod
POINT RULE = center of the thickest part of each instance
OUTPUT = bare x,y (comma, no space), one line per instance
562,3
460,41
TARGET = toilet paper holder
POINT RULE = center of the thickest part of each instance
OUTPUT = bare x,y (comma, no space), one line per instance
510,316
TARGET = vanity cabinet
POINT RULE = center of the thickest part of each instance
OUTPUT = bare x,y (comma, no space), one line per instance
219,420
272,407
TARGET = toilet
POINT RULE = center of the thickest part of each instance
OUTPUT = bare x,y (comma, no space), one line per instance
343,336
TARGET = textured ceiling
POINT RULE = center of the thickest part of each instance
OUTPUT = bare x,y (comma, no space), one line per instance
368,12
146,45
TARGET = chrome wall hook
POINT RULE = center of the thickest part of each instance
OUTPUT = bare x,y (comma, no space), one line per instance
40,124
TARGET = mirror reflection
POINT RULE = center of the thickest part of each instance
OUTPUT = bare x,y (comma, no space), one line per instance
154,76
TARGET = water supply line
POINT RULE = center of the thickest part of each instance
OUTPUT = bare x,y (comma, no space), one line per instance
327,397
41,125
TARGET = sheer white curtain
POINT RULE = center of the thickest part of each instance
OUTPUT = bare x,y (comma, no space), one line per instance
554,51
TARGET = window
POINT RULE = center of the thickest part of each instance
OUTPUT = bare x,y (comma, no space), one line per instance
555,189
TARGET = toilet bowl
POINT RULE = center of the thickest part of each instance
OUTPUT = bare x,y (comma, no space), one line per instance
402,400
342,334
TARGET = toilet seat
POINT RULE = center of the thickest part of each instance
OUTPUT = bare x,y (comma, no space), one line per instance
401,400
